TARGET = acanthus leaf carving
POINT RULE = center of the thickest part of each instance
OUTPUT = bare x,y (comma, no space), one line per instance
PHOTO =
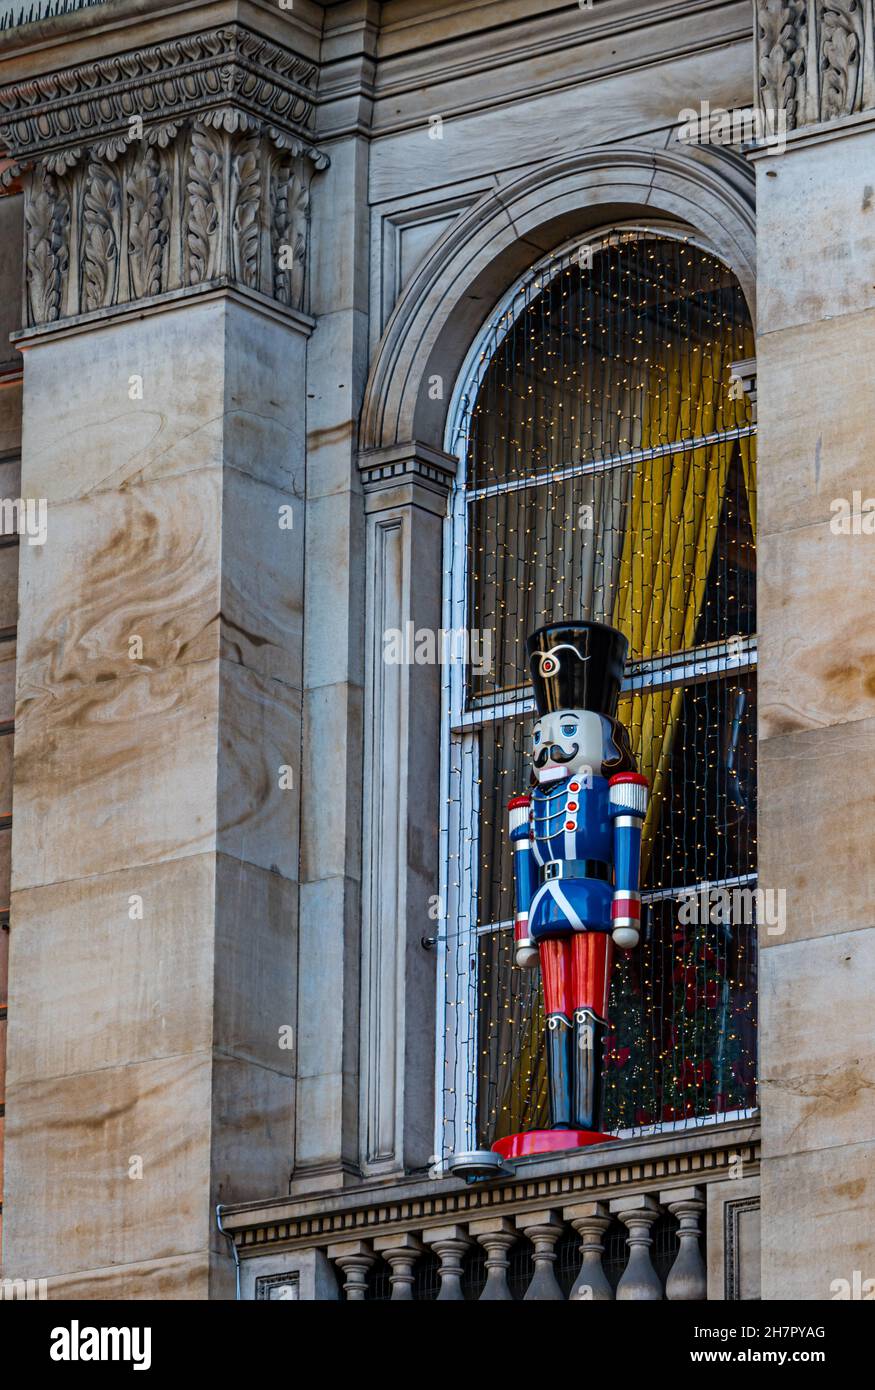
174,166
245,222
290,208
204,189
100,224
841,50
781,32
11,174
146,189
47,219
815,58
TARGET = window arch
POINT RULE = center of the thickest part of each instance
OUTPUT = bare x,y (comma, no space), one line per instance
607,472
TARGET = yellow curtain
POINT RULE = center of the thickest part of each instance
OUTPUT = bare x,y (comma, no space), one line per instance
668,546
672,526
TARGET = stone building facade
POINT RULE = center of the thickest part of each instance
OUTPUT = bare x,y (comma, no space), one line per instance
246,250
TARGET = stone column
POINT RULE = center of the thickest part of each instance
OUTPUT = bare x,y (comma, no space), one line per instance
816,346
157,778
405,499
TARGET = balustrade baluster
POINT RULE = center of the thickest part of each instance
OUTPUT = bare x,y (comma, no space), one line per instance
590,1220
640,1281
401,1253
355,1258
543,1229
450,1244
688,1278
497,1236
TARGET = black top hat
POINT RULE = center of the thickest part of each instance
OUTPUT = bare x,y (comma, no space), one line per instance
577,666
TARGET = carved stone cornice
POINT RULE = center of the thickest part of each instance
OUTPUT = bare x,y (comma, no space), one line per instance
410,462
96,103
815,58
414,1203
172,166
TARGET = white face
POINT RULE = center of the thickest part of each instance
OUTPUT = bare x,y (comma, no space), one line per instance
565,743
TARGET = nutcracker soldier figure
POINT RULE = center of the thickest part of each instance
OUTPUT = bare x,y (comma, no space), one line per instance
576,840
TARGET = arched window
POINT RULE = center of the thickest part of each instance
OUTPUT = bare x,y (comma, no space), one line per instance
608,473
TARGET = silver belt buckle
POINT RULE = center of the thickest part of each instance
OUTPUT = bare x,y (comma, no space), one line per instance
553,869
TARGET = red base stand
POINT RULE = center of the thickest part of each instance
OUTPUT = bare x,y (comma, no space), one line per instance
549,1141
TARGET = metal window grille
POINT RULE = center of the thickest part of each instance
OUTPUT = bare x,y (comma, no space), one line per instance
608,473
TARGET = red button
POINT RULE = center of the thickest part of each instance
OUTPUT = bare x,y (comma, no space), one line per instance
569,825
574,787
572,805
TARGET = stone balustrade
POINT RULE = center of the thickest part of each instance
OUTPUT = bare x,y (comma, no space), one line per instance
667,1217
632,1247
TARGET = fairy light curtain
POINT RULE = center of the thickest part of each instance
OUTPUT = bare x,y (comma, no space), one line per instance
609,474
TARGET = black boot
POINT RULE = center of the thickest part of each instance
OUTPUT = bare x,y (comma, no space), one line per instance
586,1106
560,1038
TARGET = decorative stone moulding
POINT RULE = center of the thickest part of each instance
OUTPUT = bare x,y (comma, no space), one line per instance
177,165
815,58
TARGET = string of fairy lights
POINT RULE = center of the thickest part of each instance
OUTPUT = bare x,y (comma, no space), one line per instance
610,475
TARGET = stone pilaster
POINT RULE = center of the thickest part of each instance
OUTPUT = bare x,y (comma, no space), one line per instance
816,341
153,1048
406,501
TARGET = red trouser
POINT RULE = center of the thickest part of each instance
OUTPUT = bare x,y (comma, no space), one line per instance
576,971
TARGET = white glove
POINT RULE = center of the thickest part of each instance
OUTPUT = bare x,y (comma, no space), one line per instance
526,955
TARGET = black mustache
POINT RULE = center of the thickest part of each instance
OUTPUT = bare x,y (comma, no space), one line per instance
556,753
